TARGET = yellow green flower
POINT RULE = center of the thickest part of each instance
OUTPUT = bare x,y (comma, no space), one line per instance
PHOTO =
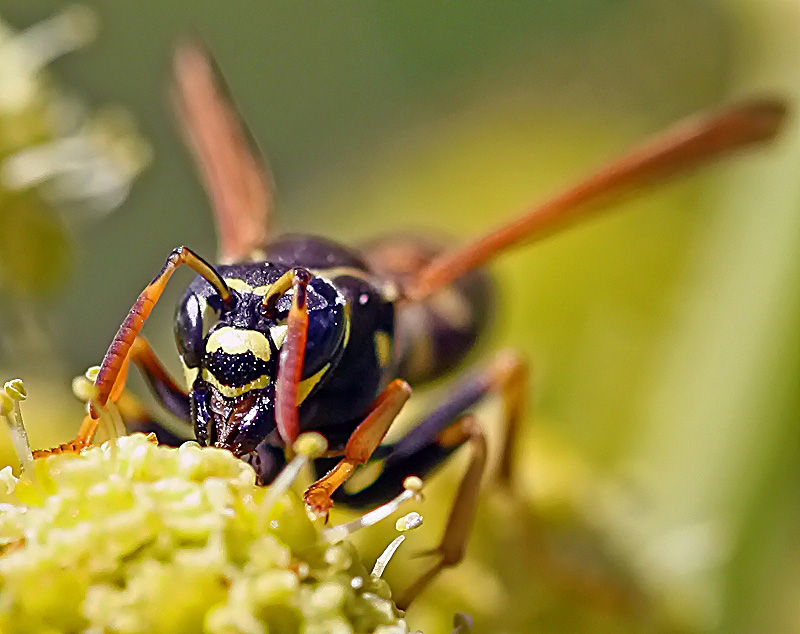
133,537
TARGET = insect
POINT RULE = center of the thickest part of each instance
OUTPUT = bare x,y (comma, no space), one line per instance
298,333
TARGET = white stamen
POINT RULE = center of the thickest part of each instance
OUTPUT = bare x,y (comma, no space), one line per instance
104,420
406,523
14,392
386,556
117,427
307,447
336,534
409,522
73,28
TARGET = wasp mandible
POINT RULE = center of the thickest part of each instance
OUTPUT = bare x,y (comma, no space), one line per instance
298,333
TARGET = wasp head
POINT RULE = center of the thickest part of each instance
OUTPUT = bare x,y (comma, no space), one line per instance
232,352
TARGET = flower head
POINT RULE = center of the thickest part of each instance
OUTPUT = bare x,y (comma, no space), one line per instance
134,537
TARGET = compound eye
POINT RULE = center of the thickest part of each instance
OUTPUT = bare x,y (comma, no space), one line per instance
327,323
193,318
282,305
326,327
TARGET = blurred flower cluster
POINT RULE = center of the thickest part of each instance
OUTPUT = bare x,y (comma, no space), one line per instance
132,537
58,160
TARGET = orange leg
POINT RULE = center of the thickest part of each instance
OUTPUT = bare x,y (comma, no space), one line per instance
509,375
364,440
143,356
131,410
432,441
111,378
453,544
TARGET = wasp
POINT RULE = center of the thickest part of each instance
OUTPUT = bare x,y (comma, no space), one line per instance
299,333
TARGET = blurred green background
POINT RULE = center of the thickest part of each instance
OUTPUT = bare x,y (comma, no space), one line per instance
664,339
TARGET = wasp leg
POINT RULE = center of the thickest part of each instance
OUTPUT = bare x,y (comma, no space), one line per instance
137,418
174,398
134,414
435,439
111,377
293,350
171,395
361,445
117,354
430,443
455,538
513,374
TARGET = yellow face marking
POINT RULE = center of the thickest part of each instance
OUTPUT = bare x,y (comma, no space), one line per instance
190,374
240,286
232,392
305,387
383,348
239,341
236,284
388,291
303,390
278,334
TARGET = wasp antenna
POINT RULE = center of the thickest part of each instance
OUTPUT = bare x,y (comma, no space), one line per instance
682,147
